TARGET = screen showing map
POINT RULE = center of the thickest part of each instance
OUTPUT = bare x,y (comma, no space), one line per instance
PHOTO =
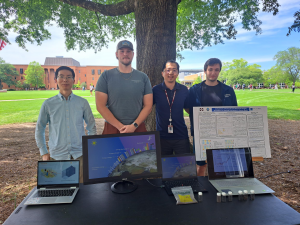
123,156
58,172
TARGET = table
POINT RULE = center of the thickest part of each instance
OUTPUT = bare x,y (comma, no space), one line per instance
97,204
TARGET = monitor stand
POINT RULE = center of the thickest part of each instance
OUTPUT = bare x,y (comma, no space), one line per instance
123,187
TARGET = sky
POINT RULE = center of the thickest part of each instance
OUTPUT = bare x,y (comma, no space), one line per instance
259,49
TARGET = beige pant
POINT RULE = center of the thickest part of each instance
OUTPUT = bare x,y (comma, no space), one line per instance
81,167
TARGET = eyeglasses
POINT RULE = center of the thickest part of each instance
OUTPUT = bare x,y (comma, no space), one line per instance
63,78
170,71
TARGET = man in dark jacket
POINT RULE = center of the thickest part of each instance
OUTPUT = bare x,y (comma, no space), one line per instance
210,92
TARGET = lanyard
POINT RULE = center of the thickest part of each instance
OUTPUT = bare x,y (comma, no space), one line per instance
170,104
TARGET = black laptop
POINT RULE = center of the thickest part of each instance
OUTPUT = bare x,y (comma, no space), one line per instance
180,170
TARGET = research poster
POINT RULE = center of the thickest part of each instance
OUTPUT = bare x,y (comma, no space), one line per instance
231,127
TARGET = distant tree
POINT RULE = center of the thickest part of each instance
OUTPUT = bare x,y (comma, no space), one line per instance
177,80
78,85
7,73
238,71
83,84
34,75
289,62
197,81
19,84
275,75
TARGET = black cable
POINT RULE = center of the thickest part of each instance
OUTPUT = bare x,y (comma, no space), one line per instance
274,174
161,186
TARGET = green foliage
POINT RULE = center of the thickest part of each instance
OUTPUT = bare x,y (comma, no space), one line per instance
83,84
93,24
177,80
238,71
34,75
19,84
77,85
275,75
42,86
289,62
197,81
7,73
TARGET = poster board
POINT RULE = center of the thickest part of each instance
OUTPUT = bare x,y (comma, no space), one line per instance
231,127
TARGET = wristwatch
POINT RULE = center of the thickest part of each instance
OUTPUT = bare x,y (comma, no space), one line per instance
135,124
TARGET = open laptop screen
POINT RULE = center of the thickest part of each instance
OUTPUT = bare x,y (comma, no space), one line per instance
58,173
177,167
229,163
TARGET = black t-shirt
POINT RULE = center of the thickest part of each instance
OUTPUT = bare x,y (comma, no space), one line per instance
211,95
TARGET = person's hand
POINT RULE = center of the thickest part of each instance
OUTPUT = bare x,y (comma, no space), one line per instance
128,129
46,157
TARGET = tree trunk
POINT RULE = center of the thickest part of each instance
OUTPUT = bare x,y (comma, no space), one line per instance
156,40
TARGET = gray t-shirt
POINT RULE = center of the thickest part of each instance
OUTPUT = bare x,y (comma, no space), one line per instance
125,93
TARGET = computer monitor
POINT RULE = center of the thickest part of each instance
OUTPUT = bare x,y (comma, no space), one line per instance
121,157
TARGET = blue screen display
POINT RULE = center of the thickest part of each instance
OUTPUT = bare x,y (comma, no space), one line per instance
229,160
179,167
66,172
121,156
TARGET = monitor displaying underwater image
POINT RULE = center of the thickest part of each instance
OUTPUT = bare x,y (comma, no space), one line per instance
113,157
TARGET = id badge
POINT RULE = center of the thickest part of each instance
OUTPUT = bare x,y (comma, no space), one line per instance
170,129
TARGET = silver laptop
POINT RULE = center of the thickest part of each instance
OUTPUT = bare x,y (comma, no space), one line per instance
57,182
231,169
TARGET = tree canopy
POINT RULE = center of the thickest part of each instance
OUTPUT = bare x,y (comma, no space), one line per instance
7,73
197,81
34,75
239,72
289,62
161,28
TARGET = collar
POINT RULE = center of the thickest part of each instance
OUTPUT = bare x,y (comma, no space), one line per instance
61,97
164,87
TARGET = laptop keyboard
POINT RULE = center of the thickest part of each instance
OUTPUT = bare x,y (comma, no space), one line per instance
238,183
54,193
194,183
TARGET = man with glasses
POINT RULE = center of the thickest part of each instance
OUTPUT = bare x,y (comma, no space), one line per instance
65,114
210,92
170,97
124,95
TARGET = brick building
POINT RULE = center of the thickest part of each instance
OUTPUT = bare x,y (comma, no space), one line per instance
88,74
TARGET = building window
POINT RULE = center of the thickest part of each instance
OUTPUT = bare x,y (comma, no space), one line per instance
84,75
93,78
21,70
79,78
99,72
78,71
21,78
93,72
15,78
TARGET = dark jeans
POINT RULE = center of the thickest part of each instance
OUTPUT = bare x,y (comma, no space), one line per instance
169,147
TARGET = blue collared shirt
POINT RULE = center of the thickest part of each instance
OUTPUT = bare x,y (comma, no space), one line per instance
163,111
66,127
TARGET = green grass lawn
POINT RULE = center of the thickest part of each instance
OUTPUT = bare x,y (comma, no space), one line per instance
282,104
23,111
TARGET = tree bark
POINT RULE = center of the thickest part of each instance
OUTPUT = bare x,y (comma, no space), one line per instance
156,40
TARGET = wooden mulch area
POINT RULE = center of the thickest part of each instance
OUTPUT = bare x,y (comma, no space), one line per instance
19,156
